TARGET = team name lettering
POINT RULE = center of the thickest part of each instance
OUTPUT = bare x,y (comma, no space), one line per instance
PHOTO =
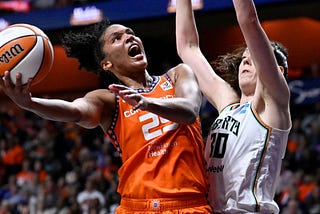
228,123
215,169
131,112
12,52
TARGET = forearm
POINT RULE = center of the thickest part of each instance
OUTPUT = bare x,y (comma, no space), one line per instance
178,110
246,12
186,31
53,109
257,42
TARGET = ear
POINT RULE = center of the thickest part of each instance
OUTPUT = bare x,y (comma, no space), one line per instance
106,65
281,69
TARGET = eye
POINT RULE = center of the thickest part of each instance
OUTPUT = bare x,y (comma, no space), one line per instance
116,38
129,31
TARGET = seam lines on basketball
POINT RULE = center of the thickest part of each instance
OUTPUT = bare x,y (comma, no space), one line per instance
27,52
43,56
30,28
16,38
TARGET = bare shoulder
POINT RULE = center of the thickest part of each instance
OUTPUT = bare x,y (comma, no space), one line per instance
100,94
181,69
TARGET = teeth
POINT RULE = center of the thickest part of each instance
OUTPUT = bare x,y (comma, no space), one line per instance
134,50
133,46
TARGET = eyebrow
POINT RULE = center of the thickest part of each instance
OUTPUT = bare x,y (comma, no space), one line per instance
129,30
126,30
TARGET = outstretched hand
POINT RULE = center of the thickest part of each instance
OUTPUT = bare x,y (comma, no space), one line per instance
129,95
18,93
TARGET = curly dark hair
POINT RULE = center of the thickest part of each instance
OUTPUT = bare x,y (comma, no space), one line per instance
85,45
227,66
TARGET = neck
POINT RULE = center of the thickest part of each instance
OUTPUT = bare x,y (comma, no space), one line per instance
138,81
245,99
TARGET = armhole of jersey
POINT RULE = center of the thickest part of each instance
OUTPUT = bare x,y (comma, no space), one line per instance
168,78
110,130
255,114
278,132
230,106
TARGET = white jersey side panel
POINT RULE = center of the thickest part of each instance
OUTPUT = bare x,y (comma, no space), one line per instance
243,160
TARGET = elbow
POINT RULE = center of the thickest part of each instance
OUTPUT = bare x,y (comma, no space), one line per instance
191,116
183,47
189,119
87,121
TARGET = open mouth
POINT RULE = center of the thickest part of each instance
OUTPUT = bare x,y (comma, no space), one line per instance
134,50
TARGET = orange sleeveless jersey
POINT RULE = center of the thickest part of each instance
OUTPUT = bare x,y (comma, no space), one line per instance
161,159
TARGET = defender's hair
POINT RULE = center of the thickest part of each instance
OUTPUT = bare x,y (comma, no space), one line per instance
281,54
227,66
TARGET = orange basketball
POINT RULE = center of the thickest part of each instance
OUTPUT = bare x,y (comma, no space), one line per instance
26,49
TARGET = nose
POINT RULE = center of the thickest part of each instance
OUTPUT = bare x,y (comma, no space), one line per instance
129,38
246,61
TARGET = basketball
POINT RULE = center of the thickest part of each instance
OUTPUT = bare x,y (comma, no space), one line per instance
26,49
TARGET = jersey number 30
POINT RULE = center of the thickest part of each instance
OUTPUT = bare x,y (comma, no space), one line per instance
219,147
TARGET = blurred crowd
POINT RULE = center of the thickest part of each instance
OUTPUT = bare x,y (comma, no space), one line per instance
49,167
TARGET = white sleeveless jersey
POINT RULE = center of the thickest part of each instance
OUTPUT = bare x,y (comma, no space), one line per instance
243,160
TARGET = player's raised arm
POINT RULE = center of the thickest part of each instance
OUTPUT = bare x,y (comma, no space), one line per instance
262,52
218,92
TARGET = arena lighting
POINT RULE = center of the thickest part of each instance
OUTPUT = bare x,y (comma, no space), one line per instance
16,6
196,5
86,15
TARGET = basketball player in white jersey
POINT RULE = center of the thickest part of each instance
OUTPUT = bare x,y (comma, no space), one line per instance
247,141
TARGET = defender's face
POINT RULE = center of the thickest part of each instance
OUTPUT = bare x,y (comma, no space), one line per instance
247,71
123,50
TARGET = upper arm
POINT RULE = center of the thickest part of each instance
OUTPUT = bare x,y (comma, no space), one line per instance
186,85
218,92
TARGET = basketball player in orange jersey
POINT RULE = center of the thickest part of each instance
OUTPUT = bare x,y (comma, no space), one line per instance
152,120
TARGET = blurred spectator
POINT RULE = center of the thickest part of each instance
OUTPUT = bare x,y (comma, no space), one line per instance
313,201
292,208
40,173
12,154
48,198
306,187
90,198
5,207
26,177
